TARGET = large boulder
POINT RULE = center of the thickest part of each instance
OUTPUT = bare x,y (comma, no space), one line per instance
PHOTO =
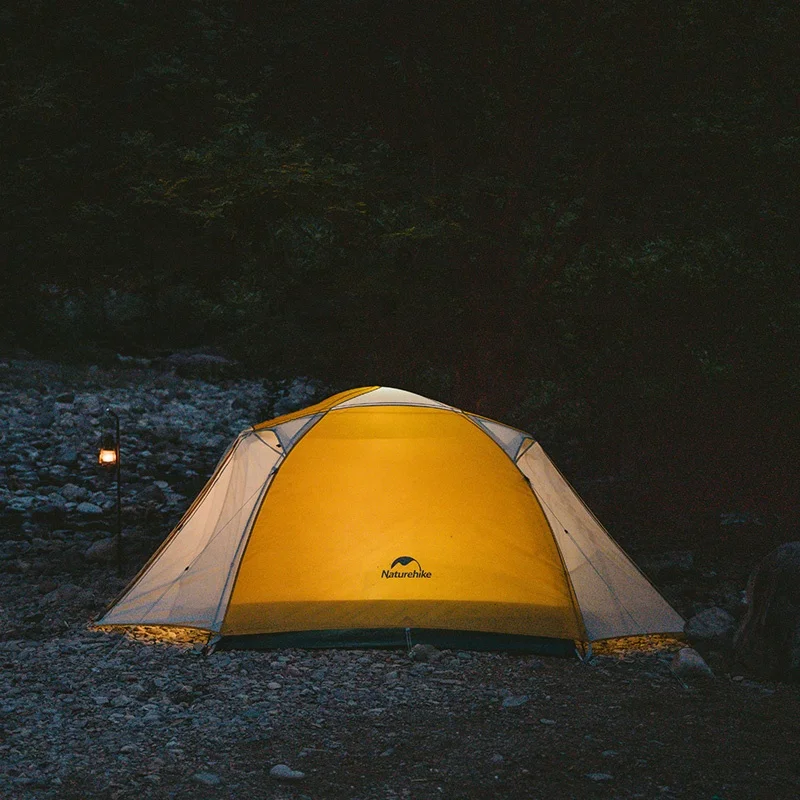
714,626
768,640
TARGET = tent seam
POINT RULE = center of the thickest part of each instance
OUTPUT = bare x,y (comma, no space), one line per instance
611,591
313,420
193,506
240,550
605,531
576,606
512,459
269,482
194,560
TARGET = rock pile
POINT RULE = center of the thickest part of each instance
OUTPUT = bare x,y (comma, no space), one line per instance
57,504
89,714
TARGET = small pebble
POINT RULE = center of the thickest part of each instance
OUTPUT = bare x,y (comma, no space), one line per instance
207,778
281,772
513,701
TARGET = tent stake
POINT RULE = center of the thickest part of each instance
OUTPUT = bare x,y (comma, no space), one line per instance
586,656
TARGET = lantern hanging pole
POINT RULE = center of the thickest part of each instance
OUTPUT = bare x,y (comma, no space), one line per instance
114,414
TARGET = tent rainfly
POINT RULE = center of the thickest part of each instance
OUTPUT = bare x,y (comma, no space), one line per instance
378,517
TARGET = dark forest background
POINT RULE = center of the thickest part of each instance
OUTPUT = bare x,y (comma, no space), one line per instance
580,218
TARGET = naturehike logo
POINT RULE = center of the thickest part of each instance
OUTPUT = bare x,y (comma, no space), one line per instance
404,561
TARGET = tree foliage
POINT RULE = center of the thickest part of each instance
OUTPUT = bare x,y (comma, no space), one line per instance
575,212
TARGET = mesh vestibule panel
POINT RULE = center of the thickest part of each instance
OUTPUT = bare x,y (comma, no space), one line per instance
614,597
187,581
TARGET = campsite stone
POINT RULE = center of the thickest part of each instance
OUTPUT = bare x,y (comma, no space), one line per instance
68,591
89,509
281,772
512,701
151,494
120,701
768,640
713,625
101,551
58,501
21,503
50,509
688,663
73,493
65,455
273,685
44,419
207,778
599,777
424,652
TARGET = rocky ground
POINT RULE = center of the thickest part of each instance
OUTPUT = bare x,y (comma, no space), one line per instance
86,714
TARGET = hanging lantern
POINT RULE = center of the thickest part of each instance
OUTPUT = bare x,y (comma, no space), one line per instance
107,457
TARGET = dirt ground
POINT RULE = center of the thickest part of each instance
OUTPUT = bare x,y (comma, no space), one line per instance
88,714
85,714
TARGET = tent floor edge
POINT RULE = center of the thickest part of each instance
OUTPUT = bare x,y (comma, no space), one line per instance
357,638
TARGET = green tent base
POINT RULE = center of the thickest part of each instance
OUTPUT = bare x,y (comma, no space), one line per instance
399,637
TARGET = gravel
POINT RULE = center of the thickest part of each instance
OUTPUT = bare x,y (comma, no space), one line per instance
85,714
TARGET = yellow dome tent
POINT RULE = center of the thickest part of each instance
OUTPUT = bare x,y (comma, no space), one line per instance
379,517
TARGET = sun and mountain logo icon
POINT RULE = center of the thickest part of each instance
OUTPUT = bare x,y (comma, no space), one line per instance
402,568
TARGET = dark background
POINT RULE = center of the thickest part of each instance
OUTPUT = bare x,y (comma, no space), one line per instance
580,218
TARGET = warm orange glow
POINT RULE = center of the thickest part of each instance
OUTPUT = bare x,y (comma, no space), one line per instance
108,458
